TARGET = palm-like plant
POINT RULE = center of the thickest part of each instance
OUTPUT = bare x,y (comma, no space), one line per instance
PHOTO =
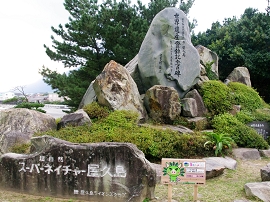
220,142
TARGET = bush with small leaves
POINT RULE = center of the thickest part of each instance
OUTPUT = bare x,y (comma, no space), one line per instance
217,97
245,96
96,111
121,126
243,135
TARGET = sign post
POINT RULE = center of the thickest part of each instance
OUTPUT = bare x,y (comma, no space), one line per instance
183,171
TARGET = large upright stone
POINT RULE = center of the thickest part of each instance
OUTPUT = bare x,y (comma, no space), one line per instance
116,89
167,56
100,172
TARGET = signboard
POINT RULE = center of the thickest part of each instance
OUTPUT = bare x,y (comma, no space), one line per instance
184,171
262,127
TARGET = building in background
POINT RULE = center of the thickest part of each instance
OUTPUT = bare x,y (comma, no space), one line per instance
7,95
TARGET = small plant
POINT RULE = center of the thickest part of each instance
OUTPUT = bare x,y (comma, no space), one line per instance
220,142
208,68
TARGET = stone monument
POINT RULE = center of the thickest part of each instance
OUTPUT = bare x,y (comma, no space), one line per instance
105,172
167,56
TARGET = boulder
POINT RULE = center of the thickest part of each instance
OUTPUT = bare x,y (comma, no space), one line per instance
19,124
167,56
91,172
246,153
78,118
12,139
241,75
208,56
258,189
199,123
226,161
265,153
116,89
180,129
213,169
215,166
265,173
189,107
162,103
89,96
201,109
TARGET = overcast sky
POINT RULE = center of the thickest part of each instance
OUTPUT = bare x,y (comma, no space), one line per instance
26,26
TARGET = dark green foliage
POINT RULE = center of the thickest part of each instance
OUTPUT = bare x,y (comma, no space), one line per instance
120,126
242,42
210,74
29,105
97,32
95,111
13,100
243,135
217,97
245,96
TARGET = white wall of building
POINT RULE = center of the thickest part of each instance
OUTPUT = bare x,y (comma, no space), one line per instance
7,95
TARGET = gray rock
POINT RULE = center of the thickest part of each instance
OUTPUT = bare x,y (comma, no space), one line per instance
199,102
189,107
116,89
227,162
78,118
246,154
167,56
200,123
241,75
265,152
94,172
12,139
265,173
180,129
213,168
258,189
89,96
162,103
207,56
19,124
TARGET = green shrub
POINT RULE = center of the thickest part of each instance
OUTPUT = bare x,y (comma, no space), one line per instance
245,116
243,135
21,148
217,97
245,96
262,115
95,111
121,126
33,106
